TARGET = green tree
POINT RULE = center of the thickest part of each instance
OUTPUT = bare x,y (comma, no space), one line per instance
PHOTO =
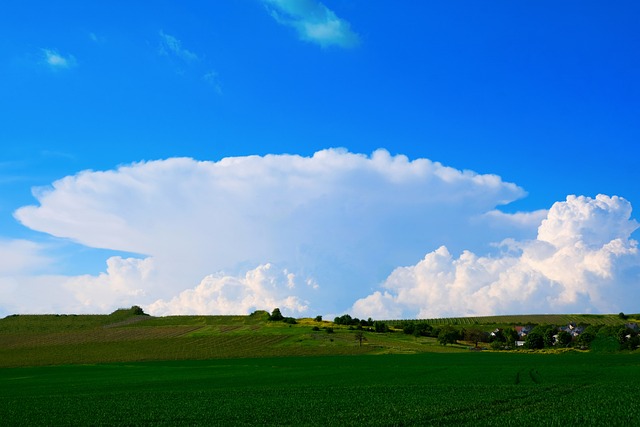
276,315
564,339
345,319
547,336
425,329
633,342
318,319
475,335
534,340
587,336
380,326
448,335
608,331
497,335
510,337
360,337
547,332
409,328
137,310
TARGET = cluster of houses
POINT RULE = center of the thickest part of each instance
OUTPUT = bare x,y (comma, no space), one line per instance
571,328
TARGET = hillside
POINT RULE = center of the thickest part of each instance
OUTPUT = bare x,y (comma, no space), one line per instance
527,319
126,335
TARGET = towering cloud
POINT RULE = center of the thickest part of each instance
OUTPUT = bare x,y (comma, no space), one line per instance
583,259
339,220
335,224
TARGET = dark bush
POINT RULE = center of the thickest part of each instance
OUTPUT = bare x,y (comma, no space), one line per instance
276,315
137,310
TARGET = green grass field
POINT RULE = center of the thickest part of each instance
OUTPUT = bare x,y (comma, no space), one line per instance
31,340
574,389
127,369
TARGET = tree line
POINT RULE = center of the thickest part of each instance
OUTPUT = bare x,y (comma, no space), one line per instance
597,337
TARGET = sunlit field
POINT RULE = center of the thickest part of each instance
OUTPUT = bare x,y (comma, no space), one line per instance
126,369
122,336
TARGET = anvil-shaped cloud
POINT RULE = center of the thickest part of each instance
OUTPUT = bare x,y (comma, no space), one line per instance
311,234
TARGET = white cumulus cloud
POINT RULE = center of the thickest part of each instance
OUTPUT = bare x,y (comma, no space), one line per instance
313,21
262,288
125,282
583,259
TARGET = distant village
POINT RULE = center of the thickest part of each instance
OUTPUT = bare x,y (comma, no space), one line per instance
534,336
580,336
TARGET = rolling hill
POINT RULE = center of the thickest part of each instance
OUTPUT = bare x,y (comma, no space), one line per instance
125,335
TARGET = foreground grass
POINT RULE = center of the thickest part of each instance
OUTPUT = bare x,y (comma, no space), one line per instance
420,389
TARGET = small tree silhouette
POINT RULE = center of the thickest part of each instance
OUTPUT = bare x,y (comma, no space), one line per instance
137,310
276,315
360,337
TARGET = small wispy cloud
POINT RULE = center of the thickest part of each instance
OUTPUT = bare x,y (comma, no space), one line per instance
171,46
313,21
97,38
212,79
58,61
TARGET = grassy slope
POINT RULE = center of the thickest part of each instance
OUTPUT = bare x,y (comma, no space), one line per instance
121,336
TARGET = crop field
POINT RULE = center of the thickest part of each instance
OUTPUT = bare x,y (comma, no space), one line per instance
30,340
574,389
27,340
128,369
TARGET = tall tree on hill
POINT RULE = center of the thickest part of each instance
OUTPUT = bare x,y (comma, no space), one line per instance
137,310
276,315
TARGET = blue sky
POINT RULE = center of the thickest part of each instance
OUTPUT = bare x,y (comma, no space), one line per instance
536,102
